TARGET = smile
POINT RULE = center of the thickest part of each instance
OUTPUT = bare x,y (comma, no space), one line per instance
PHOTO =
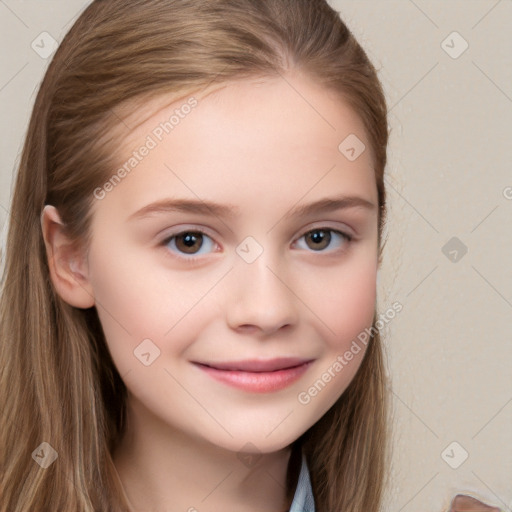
257,376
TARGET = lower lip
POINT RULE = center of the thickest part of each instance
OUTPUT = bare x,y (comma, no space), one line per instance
258,382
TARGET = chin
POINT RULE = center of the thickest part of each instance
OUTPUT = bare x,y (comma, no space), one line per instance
249,441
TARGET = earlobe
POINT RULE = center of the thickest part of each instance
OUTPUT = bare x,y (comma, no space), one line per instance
68,267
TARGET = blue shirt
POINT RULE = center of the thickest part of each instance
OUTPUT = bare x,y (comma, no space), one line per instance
303,499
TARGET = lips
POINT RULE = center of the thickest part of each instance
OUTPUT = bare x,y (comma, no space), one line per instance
258,365
257,375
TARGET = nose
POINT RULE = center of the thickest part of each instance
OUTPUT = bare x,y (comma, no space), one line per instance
261,298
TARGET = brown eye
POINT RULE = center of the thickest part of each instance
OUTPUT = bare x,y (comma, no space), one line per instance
322,238
189,241
319,239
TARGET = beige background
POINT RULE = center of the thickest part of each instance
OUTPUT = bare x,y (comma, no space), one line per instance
449,175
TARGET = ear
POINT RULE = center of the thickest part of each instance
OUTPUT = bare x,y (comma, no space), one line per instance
68,267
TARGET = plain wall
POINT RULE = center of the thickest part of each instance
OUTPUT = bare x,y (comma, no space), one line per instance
449,190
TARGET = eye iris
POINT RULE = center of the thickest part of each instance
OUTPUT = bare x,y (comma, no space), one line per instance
189,239
319,236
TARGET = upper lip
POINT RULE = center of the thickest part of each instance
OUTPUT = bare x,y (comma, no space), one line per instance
259,365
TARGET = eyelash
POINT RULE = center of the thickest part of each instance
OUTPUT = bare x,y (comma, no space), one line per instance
348,239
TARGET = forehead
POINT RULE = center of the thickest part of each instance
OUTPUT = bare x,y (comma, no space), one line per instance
303,107
280,134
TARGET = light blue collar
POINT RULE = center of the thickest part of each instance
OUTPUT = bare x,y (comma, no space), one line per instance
303,499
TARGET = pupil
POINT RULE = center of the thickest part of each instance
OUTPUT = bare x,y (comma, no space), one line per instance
188,241
318,237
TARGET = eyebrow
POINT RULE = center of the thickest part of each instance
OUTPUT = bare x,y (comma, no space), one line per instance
228,211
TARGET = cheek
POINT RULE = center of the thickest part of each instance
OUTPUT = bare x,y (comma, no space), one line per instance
347,309
136,301
346,304
127,300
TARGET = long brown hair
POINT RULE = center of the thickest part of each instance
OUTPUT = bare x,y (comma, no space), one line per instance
58,383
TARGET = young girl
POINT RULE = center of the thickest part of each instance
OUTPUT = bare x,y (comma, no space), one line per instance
188,313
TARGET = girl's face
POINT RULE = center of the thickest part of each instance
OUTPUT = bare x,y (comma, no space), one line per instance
246,268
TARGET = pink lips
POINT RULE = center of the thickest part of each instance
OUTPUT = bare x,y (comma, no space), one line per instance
259,376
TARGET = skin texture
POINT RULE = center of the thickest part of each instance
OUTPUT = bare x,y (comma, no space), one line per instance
263,146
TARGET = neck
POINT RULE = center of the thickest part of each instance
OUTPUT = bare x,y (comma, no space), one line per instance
165,469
